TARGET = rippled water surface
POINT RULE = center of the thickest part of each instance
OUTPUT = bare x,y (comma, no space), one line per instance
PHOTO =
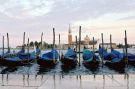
35,69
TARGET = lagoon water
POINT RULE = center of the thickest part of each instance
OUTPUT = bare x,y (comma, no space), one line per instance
34,77
35,69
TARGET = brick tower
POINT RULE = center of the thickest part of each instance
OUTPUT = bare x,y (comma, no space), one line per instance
69,36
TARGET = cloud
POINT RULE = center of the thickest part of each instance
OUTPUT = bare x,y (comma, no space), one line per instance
26,8
36,16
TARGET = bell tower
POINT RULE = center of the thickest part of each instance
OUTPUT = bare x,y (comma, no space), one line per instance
69,36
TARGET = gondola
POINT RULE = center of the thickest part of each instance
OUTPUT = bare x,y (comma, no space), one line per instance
69,60
49,59
115,60
90,60
130,59
17,59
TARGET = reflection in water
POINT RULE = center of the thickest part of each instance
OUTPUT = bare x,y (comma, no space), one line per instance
54,81
128,81
36,69
2,79
23,80
36,77
9,70
103,81
7,79
94,76
42,77
81,87
81,81
28,79
43,70
67,69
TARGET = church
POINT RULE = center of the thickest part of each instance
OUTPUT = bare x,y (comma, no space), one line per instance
86,42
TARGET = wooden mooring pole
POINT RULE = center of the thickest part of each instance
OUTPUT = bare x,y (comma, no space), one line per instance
24,39
93,44
8,43
79,45
3,47
126,48
53,38
59,48
41,41
28,45
102,36
76,43
23,45
111,43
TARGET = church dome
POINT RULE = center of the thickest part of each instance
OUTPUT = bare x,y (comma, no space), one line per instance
86,39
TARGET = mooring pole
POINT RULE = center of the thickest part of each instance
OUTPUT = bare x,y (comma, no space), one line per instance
93,48
53,42
8,43
102,36
79,44
28,45
126,48
76,43
3,47
23,38
93,44
41,41
23,46
111,42
59,48
53,38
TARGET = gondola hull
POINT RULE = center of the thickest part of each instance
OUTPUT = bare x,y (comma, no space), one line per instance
10,63
131,62
91,64
69,62
47,63
119,66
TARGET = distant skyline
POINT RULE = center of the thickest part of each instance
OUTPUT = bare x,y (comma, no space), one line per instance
95,17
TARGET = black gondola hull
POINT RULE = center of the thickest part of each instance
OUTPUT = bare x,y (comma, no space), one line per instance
119,66
91,64
69,62
47,63
131,63
10,63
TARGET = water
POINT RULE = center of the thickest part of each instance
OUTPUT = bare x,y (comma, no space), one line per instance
33,77
14,81
35,69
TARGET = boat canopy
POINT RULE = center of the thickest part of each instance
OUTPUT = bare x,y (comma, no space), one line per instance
131,57
52,55
114,55
87,54
70,54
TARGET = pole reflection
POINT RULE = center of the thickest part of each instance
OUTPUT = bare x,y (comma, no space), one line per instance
81,81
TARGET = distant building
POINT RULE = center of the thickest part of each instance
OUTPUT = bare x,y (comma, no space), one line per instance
18,47
108,45
87,42
69,36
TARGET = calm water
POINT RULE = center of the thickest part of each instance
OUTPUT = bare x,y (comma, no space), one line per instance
15,81
35,69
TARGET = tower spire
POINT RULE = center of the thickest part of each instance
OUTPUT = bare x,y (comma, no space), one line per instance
69,29
69,36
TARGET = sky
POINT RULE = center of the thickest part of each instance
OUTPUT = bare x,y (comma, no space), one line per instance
95,17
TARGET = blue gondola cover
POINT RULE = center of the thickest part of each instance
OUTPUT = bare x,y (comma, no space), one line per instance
52,55
70,54
87,54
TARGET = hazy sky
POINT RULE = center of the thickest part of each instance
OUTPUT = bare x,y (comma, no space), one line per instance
95,17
